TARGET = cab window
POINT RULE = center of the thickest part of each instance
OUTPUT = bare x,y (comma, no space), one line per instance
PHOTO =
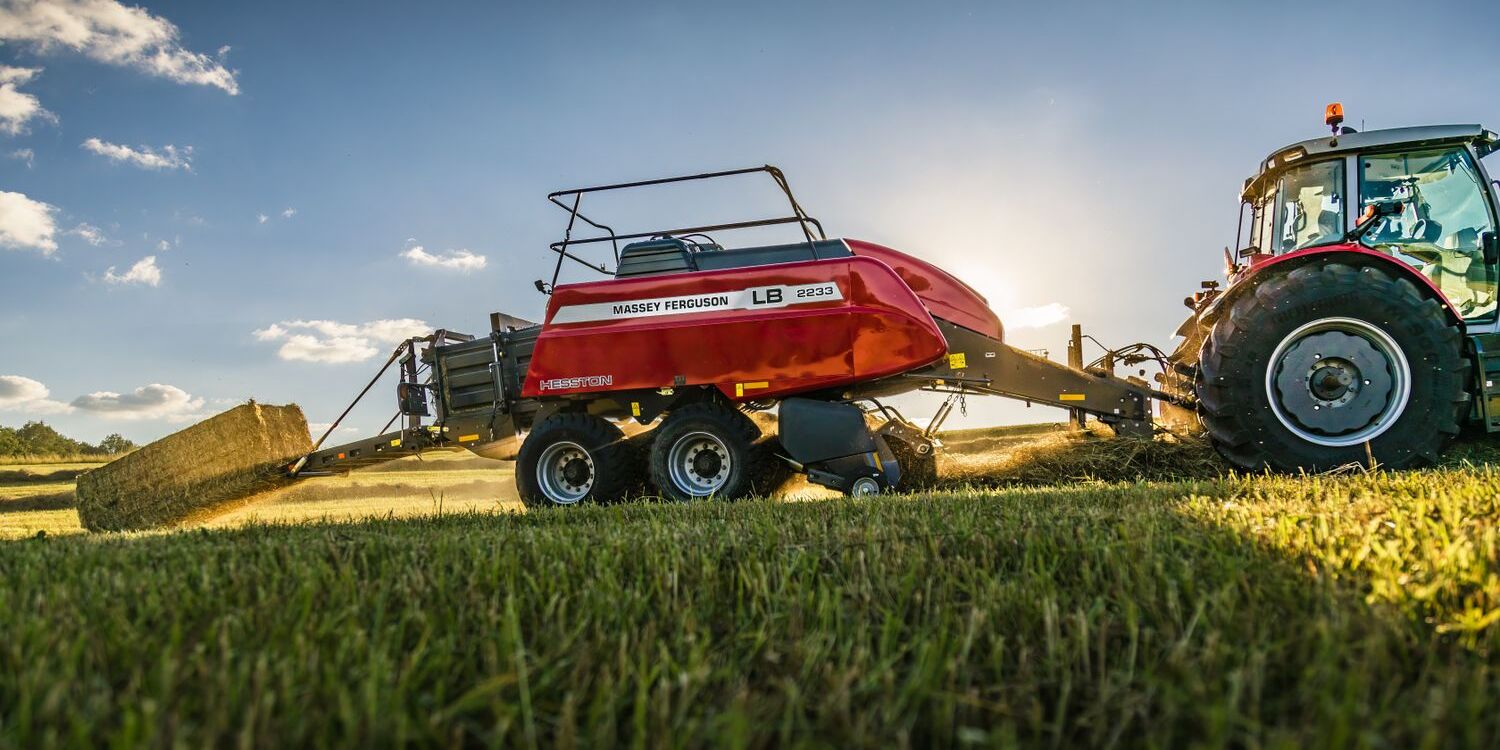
1309,207
1444,214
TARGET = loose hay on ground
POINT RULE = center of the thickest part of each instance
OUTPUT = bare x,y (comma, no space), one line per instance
197,472
1084,455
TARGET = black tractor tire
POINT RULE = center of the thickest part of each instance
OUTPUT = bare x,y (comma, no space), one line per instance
727,439
606,465
1234,392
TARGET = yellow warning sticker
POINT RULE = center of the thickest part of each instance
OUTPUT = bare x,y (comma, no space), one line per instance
467,438
635,408
396,443
1070,397
957,361
740,388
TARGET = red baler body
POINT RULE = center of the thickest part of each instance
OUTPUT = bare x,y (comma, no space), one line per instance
879,324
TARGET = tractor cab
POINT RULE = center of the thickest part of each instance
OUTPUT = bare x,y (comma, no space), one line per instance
1437,207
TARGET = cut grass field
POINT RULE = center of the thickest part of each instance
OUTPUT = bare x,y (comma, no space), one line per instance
1346,611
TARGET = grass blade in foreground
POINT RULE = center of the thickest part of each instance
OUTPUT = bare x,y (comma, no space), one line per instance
1263,612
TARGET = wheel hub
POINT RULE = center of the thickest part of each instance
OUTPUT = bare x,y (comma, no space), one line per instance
699,464
1333,380
576,471
1338,381
706,464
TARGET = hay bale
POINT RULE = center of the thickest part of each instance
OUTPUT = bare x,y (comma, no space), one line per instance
197,472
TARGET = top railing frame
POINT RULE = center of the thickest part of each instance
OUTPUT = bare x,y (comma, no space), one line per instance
570,200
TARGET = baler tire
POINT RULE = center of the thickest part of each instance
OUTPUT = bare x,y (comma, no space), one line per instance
771,471
606,448
735,432
1234,390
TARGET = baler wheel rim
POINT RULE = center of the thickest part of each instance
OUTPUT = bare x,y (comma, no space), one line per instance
552,472
684,469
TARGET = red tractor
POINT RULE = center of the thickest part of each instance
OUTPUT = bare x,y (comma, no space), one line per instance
1359,320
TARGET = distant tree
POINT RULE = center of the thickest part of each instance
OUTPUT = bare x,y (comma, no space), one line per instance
114,444
40,439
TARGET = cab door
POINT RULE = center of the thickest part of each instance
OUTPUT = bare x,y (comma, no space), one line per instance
1447,225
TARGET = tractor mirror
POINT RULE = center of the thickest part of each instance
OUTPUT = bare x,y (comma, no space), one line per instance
1490,243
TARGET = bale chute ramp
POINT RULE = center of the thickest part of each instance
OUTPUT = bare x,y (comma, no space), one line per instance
202,470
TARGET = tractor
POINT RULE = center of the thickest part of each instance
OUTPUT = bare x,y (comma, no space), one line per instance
1358,320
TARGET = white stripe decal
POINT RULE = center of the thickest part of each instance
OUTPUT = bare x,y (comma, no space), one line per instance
753,298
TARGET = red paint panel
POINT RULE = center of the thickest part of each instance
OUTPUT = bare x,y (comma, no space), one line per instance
942,293
879,328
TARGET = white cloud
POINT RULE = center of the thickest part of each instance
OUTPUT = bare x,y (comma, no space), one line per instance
1035,317
154,401
331,342
25,155
316,429
163,246
456,260
90,233
25,223
112,33
24,394
288,213
18,76
145,157
143,272
18,107
262,218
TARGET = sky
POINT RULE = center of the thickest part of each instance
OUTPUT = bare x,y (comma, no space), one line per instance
202,203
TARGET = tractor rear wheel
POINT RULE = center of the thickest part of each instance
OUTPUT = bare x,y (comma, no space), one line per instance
1305,371
571,458
705,450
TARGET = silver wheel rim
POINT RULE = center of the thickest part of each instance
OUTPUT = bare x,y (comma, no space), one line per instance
565,472
699,464
864,486
1338,382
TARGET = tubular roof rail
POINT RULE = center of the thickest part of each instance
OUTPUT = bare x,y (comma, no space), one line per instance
569,200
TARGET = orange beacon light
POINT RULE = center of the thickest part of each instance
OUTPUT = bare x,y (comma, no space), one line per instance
1333,116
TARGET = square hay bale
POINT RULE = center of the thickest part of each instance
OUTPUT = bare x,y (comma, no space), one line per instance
207,468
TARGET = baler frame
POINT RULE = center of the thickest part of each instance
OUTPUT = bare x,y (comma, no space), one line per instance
474,384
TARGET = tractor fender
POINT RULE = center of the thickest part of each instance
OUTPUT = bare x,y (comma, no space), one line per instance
1353,254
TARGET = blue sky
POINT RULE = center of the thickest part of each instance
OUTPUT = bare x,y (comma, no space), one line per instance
1055,155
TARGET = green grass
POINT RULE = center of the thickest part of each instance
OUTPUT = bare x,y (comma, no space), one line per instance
1263,612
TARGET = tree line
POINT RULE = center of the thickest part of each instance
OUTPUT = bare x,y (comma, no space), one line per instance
40,439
